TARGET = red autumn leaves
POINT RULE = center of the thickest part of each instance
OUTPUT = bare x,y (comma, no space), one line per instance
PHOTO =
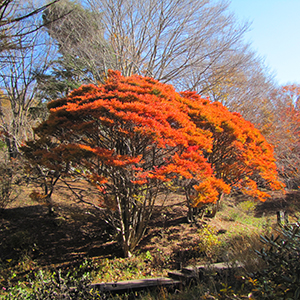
136,134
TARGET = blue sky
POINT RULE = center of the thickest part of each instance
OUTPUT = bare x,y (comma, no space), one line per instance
274,34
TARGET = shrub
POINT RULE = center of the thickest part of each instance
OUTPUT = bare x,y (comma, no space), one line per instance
209,242
6,178
55,285
9,176
248,206
280,278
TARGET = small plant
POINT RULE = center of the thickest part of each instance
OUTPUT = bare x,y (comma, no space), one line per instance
124,268
148,256
209,242
248,206
55,285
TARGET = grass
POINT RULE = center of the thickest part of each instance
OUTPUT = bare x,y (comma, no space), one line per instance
76,235
139,266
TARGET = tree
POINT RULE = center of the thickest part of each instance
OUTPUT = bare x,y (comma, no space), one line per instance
18,82
130,138
63,78
83,55
135,139
79,35
24,52
13,16
240,155
168,40
171,41
282,130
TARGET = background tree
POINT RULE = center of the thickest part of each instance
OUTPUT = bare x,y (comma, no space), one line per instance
183,36
171,41
18,82
281,128
136,139
16,22
79,35
26,54
180,42
61,78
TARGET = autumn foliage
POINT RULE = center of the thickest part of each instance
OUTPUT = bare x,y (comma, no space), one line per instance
135,138
282,130
240,155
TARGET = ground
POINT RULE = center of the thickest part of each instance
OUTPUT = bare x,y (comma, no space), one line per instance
76,230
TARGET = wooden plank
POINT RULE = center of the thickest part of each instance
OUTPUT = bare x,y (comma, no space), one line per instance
178,279
133,285
177,275
217,267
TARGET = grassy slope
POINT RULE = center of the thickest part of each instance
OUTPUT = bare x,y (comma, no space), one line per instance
31,241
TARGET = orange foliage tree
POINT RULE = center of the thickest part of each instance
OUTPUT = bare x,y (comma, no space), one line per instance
135,138
240,155
283,130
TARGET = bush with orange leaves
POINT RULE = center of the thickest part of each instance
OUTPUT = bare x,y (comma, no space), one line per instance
136,138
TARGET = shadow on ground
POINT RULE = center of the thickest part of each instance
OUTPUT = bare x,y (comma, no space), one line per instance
290,203
69,235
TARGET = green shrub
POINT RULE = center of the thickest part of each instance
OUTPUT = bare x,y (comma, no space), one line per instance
209,242
55,285
280,278
247,207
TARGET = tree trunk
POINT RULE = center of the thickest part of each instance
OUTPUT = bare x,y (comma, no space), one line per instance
216,207
11,147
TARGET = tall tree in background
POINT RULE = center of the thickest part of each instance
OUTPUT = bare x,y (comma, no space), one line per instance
19,84
16,22
83,55
135,138
194,45
282,128
26,56
79,35
168,40
172,41
61,78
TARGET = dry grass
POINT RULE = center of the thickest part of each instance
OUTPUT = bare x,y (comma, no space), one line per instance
31,240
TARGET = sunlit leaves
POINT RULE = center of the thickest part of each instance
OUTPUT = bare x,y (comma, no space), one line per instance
135,138
139,132
239,151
